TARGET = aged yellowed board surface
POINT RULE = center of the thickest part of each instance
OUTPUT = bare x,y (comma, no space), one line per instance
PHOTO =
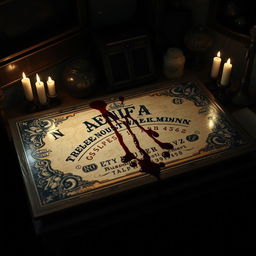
71,154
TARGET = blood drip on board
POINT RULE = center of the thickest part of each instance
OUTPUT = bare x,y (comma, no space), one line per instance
145,163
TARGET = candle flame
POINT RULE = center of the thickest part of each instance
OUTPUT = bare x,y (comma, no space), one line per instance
49,79
218,54
37,78
23,75
229,61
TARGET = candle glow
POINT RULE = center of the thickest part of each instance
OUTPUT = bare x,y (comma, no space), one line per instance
40,91
27,87
225,78
37,78
51,87
216,66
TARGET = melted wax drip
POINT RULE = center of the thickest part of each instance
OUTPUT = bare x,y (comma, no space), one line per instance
145,163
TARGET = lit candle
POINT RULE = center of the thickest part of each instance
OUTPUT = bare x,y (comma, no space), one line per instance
40,91
216,66
27,87
226,73
51,87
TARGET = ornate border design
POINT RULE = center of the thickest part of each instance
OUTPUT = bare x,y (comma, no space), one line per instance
186,90
52,185
223,134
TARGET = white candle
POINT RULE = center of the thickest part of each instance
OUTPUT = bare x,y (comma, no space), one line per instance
51,87
216,66
226,73
27,87
40,91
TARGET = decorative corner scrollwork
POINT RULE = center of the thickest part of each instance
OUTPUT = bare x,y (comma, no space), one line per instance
222,135
54,185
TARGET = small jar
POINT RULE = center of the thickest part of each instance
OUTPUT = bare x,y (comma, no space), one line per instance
174,61
79,78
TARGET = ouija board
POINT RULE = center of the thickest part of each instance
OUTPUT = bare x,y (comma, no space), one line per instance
110,145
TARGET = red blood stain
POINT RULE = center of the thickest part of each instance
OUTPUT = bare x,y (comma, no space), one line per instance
145,163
